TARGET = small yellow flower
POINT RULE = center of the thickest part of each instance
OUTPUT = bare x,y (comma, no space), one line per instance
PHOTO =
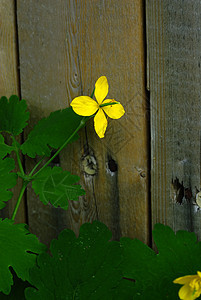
192,286
86,106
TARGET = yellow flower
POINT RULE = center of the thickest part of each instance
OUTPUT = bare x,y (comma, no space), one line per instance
86,106
192,286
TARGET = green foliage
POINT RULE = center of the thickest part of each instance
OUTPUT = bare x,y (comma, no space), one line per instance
17,291
57,187
8,180
90,266
179,255
13,115
18,250
94,267
4,148
87,267
52,131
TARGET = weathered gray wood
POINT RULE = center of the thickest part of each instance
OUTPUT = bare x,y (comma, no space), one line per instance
64,47
174,39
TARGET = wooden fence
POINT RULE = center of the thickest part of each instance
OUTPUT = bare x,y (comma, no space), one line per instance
147,168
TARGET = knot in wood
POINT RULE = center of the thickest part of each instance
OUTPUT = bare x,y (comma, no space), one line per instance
89,165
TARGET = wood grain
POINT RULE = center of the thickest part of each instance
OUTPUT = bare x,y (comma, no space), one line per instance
174,74
9,81
64,47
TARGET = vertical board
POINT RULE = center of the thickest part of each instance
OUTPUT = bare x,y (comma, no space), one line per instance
174,39
9,83
64,47
8,55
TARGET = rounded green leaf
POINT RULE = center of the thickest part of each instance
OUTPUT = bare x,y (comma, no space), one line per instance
4,148
8,180
18,250
178,255
57,187
51,132
13,115
87,267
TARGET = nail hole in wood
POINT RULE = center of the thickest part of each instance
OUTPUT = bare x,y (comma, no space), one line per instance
112,165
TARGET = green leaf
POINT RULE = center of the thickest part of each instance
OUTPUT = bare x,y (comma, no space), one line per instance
179,255
57,187
18,250
8,180
13,115
51,132
123,291
17,290
4,148
87,267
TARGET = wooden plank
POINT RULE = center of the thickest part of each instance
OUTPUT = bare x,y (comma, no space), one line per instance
9,83
174,70
64,47
8,55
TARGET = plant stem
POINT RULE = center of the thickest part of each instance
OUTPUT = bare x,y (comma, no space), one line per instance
82,122
93,93
109,103
25,183
18,155
19,200
36,166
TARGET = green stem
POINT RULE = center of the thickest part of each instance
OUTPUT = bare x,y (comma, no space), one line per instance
109,103
25,183
82,122
18,155
36,166
93,93
19,200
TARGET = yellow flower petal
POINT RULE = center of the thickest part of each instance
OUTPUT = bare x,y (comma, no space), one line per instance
185,279
84,106
197,293
100,123
101,89
186,293
115,111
